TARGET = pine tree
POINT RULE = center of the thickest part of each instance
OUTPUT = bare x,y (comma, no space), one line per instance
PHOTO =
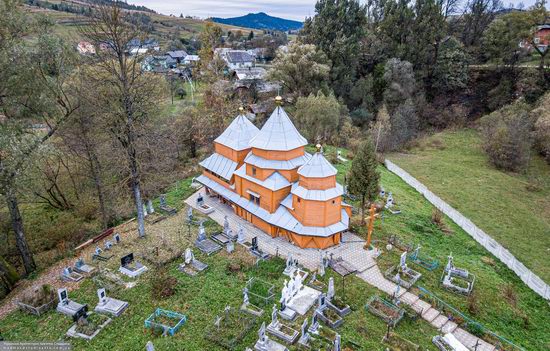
364,176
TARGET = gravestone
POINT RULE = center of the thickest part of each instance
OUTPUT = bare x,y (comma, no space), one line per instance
81,267
190,214
304,339
162,200
266,344
66,305
225,225
240,236
205,244
403,261
150,207
108,245
382,192
149,346
191,265
117,238
280,330
330,291
230,247
314,327
130,267
337,343
254,246
255,250
109,305
145,211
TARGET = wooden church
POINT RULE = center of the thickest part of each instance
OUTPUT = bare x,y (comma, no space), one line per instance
271,181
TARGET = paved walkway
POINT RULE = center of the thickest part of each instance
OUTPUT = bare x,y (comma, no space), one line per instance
350,250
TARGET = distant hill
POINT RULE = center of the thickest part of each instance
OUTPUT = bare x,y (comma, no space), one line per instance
260,20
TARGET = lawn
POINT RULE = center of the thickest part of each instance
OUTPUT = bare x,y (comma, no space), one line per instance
502,302
512,208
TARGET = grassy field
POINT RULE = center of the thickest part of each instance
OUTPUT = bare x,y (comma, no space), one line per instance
513,208
502,303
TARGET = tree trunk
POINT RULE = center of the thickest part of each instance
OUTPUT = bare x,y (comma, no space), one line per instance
17,225
135,184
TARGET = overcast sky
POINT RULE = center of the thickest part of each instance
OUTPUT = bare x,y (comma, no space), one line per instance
291,9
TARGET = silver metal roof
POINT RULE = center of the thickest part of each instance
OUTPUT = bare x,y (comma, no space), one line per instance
261,162
287,202
238,134
274,182
317,195
278,133
220,165
317,167
281,217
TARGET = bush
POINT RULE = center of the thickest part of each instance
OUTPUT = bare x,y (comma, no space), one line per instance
542,127
163,285
507,136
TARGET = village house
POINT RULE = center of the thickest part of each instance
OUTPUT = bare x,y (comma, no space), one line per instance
269,179
235,59
85,48
191,60
178,55
542,37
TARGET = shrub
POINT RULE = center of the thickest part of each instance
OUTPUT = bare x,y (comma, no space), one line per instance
542,127
507,136
475,328
163,285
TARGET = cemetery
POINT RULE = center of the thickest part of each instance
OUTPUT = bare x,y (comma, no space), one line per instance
205,295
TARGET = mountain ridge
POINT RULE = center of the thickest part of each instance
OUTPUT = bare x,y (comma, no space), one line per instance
260,20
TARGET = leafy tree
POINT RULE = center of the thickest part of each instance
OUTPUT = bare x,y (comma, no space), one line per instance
507,136
181,92
251,35
502,37
363,177
451,69
400,82
318,116
337,29
210,39
34,90
302,69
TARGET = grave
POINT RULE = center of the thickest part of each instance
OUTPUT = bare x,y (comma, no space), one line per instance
100,256
266,344
448,342
195,184
387,311
68,275
149,346
457,280
202,207
205,244
326,314
111,281
130,267
291,266
280,330
297,297
87,325
38,301
315,283
226,235
403,274
67,306
256,251
337,344
117,238
314,327
164,206
191,265
304,338
230,247
390,205
335,303
249,307
109,305
426,262
230,328
81,267
168,321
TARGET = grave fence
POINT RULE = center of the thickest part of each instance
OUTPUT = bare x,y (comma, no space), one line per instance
529,278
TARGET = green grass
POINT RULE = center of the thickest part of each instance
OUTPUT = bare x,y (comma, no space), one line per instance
524,321
453,166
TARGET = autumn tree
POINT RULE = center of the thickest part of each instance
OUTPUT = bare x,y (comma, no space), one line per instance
34,102
363,177
128,97
318,117
303,69
210,39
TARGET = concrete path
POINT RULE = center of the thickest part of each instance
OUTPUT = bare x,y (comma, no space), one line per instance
350,250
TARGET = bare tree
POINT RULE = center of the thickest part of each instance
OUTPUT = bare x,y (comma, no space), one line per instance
126,96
